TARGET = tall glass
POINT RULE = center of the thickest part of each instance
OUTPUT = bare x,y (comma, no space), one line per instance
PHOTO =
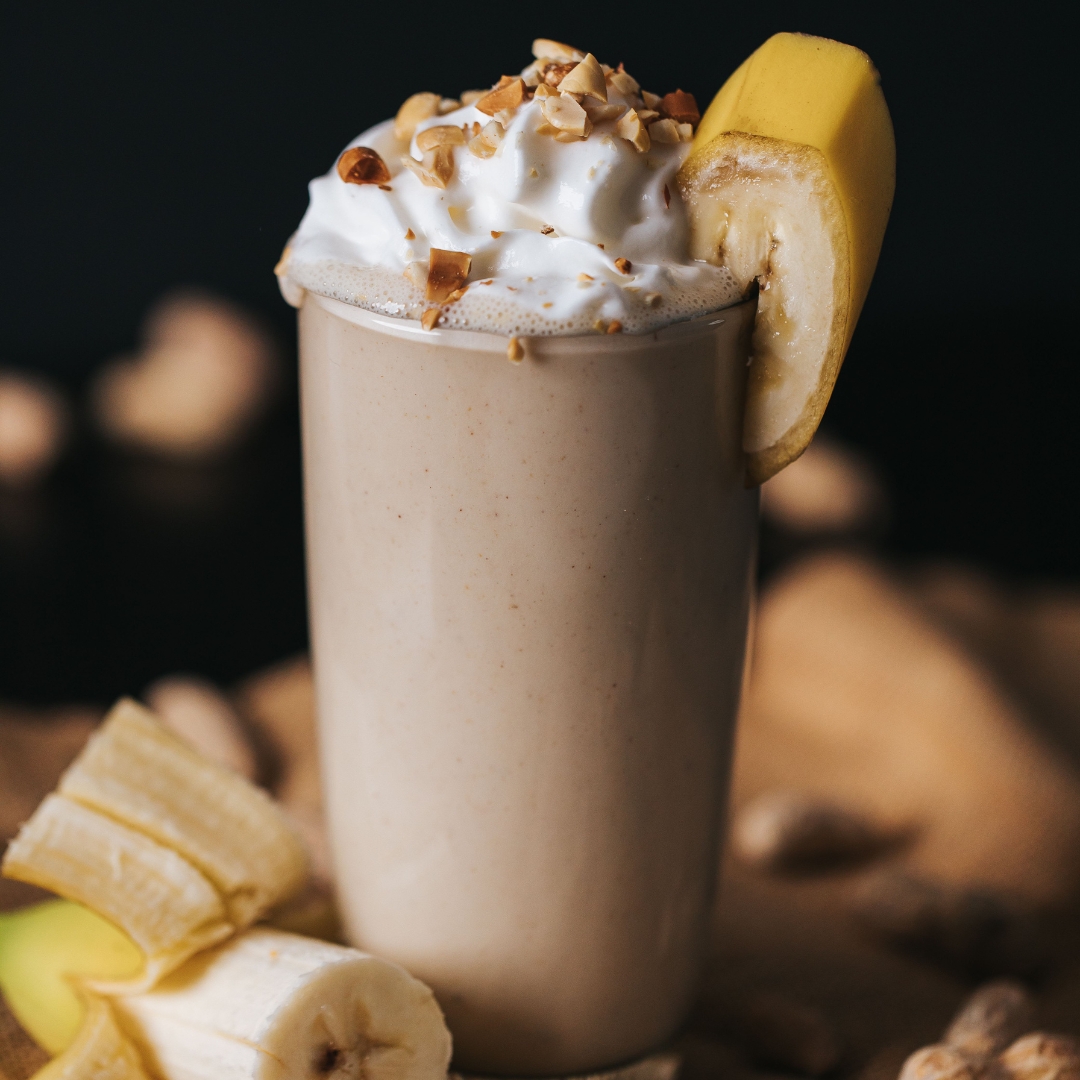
529,588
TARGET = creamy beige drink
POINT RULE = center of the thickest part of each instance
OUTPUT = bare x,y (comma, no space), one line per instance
529,592
528,581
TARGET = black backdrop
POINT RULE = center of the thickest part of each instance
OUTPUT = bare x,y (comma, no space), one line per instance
145,146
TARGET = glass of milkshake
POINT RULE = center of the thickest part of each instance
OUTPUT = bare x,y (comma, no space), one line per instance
530,548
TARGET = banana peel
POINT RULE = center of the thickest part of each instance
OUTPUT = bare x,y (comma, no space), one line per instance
789,184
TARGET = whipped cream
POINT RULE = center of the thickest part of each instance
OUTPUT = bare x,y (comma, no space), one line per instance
565,236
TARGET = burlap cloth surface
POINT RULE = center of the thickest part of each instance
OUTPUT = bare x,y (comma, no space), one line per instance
786,936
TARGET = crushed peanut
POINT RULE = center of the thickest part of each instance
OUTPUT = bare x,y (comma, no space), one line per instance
495,234
448,105
585,277
430,319
410,235
599,113
485,142
544,91
565,114
414,111
614,327
647,116
652,101
385,187
624,82
586,79
515,352
554,74
416,272
624,266
547,230
436,168
633,131
471,97
652,299
508,93
361,165
546,49
441,135
686,132
447,271
664,131
680,107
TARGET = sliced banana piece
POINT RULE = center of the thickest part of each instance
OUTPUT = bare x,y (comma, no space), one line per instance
135,770
269,1005
162,902
99,1052
789,185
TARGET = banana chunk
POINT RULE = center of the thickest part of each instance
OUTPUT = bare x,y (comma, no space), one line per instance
789,185
162,902
99,1052
268,1005
136,771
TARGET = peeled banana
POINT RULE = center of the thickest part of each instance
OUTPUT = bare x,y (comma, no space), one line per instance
274,1006
178,852
789,185
100,1052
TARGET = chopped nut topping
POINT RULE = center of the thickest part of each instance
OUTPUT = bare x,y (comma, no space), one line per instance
614,327
547,230
546,49
457,294
555,73
568,136
495,234
652,101
686,132
600,325
430,319
587,78
416,272
505,117
652,299
599,113
487,141
361,165
435,170
447,271
647,116
545,91
410,235
633,130
448,105
416,109
471,97
442,135
509,93
680,107
567,115
385,187
515,352
585,277
624,266
667,196
664,131
624,83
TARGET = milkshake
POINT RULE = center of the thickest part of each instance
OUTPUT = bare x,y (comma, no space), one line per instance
530,540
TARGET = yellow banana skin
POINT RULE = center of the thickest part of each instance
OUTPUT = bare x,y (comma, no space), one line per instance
817,92
45,951
815,105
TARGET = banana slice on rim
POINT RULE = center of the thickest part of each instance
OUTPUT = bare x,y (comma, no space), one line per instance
789,185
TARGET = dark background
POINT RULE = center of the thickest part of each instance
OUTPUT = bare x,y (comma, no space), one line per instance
146,146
